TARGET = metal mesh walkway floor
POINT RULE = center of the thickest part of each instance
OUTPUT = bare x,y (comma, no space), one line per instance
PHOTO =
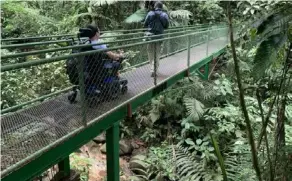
29,130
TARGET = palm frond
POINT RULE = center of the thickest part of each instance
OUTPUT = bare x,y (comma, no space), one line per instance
273,24
102,2
194,107
181,14
267,53
138,16
94,15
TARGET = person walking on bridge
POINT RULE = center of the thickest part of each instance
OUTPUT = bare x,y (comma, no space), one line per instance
156,21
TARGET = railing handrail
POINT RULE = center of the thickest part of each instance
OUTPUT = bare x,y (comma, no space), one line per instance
59,58
74,35
109,31
22,45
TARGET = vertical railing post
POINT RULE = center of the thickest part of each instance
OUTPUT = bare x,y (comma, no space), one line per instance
227,35
112,153
168,45
64,167
82,88
208,38
155,63
189,54
129,110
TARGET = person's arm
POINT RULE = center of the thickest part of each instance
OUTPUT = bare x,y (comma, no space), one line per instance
147,20
111,54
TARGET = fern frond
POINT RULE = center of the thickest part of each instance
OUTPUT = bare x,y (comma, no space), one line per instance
188,168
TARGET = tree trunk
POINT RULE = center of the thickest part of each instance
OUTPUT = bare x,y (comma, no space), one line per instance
280,130
241,97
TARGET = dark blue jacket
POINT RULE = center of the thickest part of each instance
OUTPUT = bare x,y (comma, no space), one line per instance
151,17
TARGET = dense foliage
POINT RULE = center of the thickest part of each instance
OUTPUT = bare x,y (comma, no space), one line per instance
188,114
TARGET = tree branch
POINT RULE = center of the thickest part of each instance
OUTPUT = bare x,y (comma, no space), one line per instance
266,138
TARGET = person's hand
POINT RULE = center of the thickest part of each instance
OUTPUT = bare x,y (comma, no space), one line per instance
120,51
122,55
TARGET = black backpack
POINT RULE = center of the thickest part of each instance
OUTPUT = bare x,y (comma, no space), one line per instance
157,24
72,69
72,64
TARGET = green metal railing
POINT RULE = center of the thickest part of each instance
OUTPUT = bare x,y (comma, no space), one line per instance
58,150
77,46
73,35
114,31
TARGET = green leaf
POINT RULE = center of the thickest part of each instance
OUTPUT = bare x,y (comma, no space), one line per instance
154,116
189,141
211,149
253,32
198,141
238,133
246,11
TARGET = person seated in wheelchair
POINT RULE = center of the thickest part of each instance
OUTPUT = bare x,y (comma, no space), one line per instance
99,62
94,39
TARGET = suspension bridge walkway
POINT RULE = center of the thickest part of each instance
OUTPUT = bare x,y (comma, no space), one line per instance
43,131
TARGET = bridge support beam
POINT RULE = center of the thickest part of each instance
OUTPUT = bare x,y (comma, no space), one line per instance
112,153
206,71
64,167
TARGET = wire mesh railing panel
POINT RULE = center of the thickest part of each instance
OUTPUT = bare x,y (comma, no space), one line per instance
198,44
24,140
19,86
218,36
